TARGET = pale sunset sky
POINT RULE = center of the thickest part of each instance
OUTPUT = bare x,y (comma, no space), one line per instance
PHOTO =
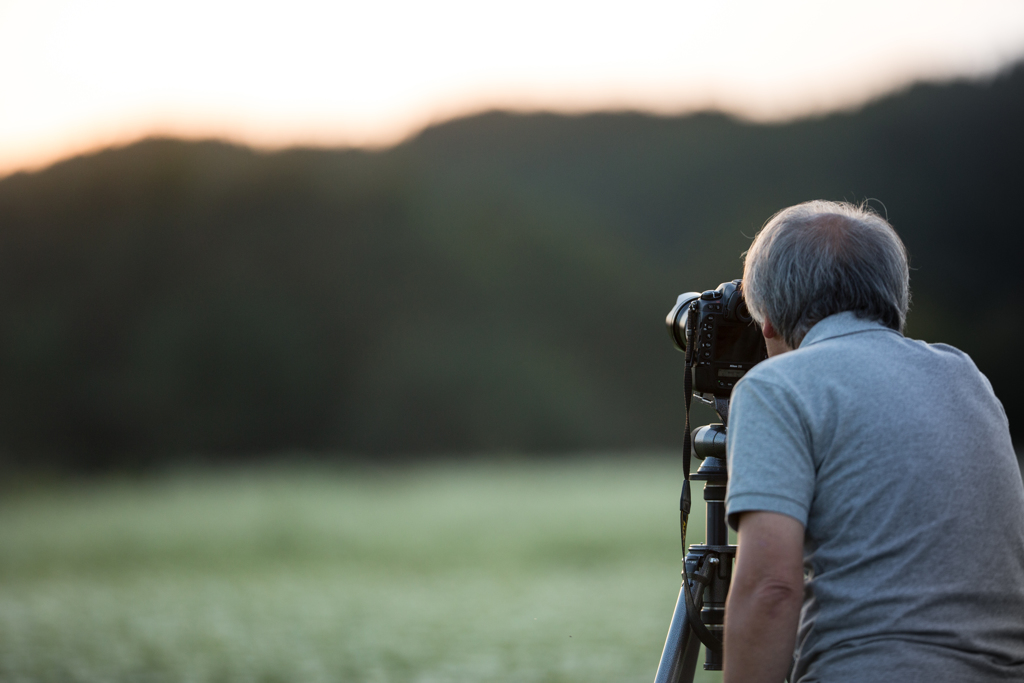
78,75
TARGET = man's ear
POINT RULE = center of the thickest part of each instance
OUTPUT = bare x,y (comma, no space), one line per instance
773,341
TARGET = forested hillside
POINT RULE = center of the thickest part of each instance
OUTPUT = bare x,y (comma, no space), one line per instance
496,283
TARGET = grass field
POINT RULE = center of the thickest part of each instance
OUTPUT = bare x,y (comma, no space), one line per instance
510,571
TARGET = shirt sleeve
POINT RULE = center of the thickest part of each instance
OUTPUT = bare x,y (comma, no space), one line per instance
771,467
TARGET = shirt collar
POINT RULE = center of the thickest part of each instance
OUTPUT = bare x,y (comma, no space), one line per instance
839,325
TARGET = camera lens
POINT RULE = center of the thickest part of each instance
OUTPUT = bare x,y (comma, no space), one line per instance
676,319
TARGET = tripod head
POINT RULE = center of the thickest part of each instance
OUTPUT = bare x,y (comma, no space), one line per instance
709,442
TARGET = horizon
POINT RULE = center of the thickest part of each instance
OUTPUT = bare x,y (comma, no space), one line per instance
79,76
270,148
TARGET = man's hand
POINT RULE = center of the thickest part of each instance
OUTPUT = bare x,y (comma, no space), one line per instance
764,602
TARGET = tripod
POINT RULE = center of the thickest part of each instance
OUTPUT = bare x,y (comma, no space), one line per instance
699,615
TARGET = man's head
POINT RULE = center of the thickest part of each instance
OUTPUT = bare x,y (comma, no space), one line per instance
819,258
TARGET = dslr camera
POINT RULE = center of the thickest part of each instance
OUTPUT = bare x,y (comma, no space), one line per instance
728,341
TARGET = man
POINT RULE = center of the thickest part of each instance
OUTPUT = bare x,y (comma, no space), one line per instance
873,483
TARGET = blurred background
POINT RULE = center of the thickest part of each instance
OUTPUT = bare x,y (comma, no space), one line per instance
276,280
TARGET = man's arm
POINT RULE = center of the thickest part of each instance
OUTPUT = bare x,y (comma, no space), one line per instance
764,602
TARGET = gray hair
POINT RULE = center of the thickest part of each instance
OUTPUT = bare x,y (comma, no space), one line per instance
819,258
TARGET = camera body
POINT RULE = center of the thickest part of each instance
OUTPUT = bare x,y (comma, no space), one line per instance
728,341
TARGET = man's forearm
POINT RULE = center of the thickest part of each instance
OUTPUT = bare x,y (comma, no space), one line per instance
760,633
763,608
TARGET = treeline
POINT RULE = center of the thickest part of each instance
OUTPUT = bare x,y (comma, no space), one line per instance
497,283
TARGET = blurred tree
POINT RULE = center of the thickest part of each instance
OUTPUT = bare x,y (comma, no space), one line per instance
496,283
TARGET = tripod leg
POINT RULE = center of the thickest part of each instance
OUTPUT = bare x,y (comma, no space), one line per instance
682,647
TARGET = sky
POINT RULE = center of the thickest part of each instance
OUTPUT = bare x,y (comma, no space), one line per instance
79,75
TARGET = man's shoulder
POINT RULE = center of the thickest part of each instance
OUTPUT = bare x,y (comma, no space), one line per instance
879,351
854,363
790,369
844,342
847,331
779,381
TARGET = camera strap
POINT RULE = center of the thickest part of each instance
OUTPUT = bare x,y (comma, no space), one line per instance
684,498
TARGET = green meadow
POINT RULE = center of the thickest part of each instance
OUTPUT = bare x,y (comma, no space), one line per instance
505,571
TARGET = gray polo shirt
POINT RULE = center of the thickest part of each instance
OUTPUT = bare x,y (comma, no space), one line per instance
896,457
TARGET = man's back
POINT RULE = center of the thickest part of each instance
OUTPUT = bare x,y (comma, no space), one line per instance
896,456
